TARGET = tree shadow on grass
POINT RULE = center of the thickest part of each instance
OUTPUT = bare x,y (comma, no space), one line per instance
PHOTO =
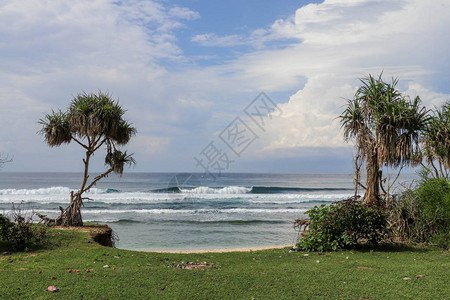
393,247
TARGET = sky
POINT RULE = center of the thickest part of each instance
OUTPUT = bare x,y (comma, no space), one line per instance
230,86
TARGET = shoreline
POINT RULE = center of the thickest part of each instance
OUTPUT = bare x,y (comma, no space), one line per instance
224,250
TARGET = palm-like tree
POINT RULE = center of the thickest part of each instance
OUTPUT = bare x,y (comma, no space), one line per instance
385,127
436,142
92,121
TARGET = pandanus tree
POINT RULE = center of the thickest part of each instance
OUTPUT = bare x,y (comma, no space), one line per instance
436,142
385,127
92,121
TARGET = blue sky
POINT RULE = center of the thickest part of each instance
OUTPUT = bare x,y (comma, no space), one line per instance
185,70
229,18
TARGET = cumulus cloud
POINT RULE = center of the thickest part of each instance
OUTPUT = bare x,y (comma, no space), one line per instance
339,42
50,50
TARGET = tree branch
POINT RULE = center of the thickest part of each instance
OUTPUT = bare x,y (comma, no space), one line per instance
389,185
99,145
382,187
428,169
97,179
80,143
435,169
440,168
361,185
86,175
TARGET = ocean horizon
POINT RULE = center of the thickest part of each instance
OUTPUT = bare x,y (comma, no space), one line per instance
186,211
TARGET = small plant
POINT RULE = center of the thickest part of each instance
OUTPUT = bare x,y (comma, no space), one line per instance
343,224
5,227
21,233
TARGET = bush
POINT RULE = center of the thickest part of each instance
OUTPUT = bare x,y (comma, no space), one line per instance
434,204
343,224
20,234
423,214
5,228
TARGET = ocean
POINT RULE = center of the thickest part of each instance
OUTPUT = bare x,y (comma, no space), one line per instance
187,211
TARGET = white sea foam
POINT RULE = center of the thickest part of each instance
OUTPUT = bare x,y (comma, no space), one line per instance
158,211
209,190
298,198
134,199
44,195
54,190
59,195
35,196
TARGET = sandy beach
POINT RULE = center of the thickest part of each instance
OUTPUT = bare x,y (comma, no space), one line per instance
222,250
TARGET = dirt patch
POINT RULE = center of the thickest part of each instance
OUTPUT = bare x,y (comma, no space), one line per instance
367,268
101,234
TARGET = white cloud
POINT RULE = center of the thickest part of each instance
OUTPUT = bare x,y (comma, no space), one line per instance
211,39
183,13
341,42
149,144
51,50
431,98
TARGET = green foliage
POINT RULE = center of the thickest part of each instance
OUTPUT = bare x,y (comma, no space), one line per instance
5,226
56,128
436,140
434,203
117,159
20,234
380,118
92,120
343,224
441,239
89,116
423,214
98,115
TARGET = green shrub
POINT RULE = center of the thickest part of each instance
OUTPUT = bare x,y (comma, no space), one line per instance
5,228
343,224
20,234
423,214
434,203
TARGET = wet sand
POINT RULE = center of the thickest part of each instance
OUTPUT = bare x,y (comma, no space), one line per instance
223,250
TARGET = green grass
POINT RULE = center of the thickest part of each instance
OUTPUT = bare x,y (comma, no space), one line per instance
269,274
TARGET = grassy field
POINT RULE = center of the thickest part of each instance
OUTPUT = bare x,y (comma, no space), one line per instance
268,274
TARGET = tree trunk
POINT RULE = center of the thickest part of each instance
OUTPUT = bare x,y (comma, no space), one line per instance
71,216
372,194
